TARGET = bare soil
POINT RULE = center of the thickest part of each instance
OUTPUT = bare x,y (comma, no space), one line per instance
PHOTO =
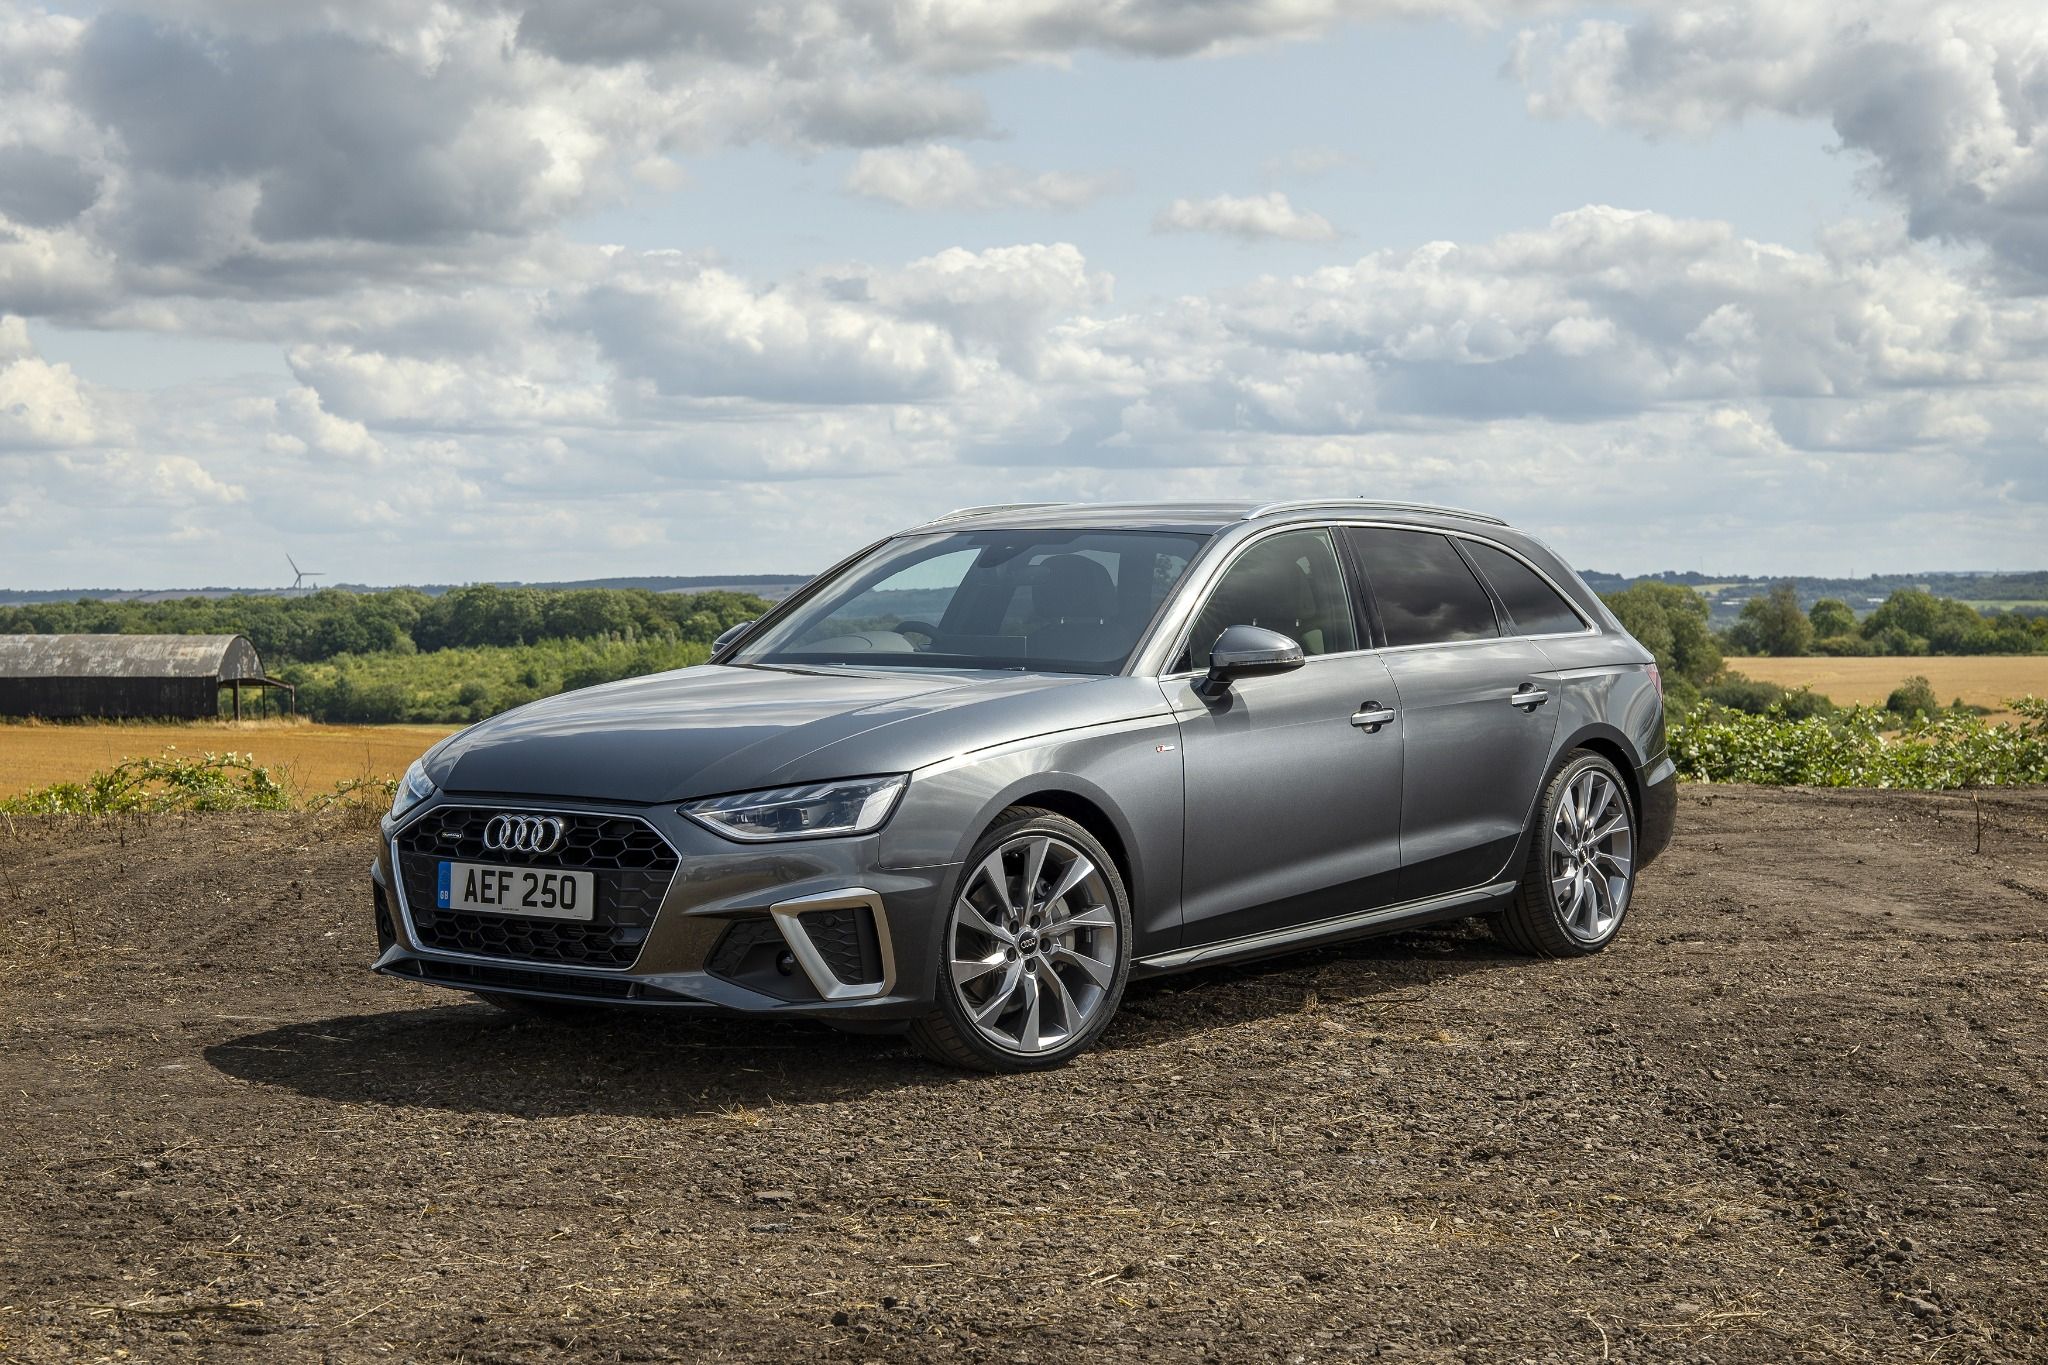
1796,1113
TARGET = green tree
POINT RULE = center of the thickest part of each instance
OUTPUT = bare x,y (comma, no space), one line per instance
1831,617
1671,622
1773,624
1945,625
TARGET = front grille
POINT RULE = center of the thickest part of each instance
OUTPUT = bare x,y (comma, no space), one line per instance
634,866
845,938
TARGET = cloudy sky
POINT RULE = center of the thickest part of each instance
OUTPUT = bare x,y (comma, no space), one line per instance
563,288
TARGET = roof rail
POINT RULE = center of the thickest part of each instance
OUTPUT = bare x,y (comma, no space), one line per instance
957,513
1308,504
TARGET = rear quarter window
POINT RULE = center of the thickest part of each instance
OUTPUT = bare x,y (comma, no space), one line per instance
1534,606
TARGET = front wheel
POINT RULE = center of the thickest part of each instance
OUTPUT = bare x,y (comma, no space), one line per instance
1035,950
1581,871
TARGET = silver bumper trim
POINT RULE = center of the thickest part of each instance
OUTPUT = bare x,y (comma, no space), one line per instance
789,919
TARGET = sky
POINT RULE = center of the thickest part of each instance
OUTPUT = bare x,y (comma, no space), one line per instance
550,289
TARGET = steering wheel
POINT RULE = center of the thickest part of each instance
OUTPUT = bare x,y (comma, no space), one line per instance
929,631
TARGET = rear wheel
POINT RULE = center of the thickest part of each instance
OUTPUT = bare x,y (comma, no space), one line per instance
1035,951
1576,887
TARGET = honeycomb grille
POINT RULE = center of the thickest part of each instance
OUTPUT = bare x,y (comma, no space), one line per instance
846,940
633,866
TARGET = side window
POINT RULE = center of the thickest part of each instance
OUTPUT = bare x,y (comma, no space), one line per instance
1532,604
1425,590
1289,583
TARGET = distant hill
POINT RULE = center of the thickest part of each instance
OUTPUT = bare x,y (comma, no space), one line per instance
1725,593
772,586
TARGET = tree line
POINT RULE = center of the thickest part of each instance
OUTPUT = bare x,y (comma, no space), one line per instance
1672,623
331,624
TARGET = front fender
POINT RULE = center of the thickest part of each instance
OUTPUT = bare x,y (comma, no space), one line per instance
1131,795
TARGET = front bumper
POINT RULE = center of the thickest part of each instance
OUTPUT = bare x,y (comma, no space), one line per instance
815,928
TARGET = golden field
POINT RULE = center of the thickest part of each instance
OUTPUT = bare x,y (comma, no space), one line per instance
1979,679
311,757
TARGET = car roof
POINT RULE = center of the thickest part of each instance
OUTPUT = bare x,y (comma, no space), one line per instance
1189,516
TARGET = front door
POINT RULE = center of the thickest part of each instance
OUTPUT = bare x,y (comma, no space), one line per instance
1293,802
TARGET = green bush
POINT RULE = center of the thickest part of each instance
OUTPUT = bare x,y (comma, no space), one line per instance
207,782
173,782
1852,749
1914,697
1752,697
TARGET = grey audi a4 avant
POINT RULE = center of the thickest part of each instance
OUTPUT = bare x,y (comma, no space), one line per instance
970,781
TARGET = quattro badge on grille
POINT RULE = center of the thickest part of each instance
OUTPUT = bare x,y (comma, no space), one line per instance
523,833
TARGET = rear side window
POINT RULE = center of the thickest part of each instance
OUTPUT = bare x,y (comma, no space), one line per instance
1532,604
1425,590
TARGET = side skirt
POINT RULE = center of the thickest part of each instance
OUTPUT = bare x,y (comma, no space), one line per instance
1364,922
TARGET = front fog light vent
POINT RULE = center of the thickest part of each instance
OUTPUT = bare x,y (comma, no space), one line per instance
841,940
845,939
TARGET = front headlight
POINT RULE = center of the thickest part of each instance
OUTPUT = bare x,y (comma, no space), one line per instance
413,788
815,810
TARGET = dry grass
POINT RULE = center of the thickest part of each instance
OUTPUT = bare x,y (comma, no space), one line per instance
1980,680
311,757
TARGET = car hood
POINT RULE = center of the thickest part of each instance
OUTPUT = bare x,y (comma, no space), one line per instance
702,731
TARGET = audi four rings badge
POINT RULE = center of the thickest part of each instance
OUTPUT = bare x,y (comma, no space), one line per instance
523,833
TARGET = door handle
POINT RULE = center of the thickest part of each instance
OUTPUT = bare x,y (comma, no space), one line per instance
1371,716
1529,696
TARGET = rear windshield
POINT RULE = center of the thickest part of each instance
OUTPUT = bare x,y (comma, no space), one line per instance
1047,601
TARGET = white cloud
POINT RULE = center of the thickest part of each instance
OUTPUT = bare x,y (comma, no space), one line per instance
1248,218
387,194
1949,101
936,176
42,406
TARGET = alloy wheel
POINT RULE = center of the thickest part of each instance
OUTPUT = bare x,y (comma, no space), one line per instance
1592,848
1033,944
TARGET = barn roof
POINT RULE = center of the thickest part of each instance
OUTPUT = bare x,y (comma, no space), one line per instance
128,656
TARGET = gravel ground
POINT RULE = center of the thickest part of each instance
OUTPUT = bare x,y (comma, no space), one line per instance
1797,1112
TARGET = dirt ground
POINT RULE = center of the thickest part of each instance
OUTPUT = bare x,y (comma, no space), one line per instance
1797,1113
1986,680
313,758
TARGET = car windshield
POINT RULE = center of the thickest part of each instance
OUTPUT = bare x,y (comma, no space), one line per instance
1049,601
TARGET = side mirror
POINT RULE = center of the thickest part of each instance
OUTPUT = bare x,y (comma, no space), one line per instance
729,634
1248,652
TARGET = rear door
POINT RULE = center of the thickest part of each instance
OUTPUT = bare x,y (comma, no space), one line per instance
1474,707
1293,805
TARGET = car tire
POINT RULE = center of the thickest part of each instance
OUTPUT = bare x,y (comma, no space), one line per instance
1058,990
1579,880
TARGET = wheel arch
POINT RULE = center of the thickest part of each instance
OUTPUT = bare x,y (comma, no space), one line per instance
1079,800
1604,740
1612,745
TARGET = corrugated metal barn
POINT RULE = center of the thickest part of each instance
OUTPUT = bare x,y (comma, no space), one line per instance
58,676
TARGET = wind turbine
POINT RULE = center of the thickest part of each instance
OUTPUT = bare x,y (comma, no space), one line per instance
299,575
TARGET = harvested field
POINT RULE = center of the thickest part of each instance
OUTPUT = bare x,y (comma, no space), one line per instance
1988,680
1797,1113
313,757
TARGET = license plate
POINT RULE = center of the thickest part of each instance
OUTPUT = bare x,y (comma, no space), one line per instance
537,893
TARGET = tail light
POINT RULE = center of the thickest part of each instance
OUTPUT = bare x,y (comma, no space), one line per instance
1657,681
